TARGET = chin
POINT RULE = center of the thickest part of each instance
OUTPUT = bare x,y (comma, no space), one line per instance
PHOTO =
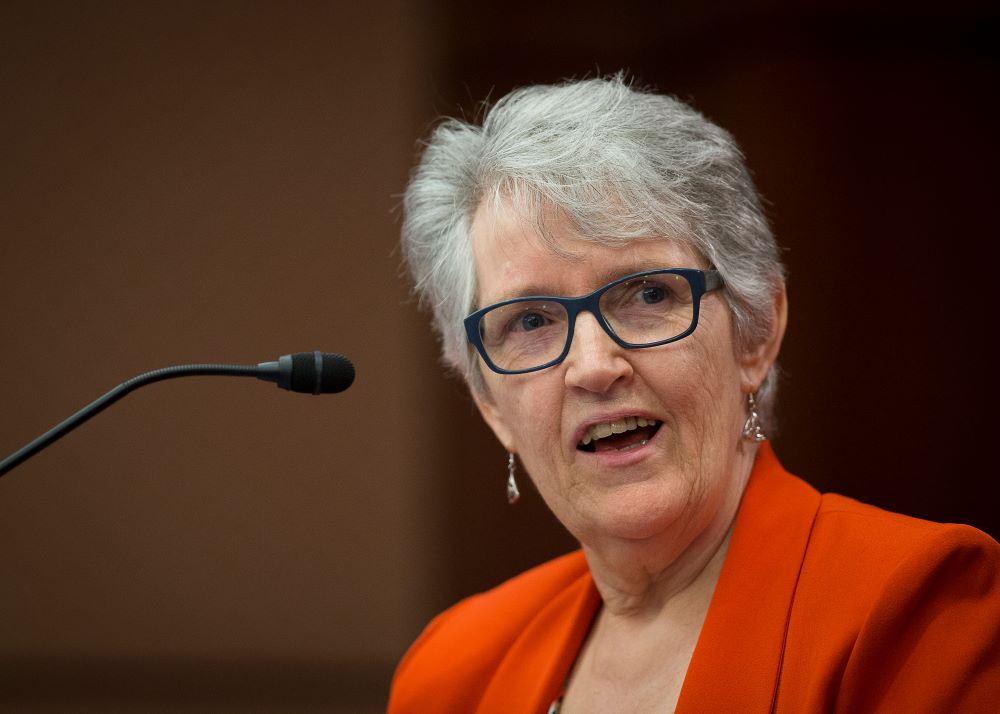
637,512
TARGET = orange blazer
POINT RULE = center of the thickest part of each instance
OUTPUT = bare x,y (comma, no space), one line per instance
824,604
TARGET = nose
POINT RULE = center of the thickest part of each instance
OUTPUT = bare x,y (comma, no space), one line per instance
595,362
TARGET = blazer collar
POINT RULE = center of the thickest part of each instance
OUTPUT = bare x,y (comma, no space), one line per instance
737,662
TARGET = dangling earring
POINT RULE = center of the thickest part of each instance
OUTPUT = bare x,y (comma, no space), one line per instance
751,428
513,494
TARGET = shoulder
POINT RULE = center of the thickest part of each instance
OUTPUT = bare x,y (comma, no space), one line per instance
455,657
861,560
863,542
906,611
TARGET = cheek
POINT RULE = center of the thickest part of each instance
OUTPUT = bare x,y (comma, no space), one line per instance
530,409
699,387
716,369
538,427
697,383
538,440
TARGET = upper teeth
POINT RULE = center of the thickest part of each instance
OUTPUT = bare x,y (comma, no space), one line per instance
619,426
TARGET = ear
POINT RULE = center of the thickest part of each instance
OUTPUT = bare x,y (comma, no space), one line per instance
757,360
492,416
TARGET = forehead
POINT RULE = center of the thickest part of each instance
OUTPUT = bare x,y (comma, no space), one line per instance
512,258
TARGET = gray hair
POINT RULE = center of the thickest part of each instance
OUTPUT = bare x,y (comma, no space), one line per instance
621,163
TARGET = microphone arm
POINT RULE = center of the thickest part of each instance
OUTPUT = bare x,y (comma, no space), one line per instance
314,372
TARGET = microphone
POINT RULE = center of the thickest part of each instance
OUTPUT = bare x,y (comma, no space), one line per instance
308,372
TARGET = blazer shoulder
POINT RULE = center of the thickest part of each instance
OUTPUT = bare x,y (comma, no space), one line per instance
893,613
459,650
866,532
925,618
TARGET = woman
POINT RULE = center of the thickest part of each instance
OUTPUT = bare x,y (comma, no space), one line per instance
602,275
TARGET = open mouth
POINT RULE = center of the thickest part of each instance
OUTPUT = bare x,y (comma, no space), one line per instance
620,435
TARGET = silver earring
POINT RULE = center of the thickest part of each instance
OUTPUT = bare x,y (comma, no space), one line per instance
513,494
751,428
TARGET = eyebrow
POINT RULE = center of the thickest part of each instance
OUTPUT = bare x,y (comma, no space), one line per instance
608,275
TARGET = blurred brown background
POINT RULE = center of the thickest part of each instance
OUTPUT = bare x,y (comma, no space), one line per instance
216,182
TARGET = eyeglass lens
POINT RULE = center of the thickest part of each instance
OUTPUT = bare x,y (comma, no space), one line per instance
642,311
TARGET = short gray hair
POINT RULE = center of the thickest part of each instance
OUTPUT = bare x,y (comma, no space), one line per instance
622,163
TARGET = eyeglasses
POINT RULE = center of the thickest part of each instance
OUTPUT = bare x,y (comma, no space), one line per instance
646,309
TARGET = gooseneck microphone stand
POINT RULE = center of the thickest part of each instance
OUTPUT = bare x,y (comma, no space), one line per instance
311,372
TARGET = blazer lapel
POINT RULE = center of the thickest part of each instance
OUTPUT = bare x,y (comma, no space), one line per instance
737,661
532,674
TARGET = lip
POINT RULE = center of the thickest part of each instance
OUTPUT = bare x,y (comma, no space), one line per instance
581,430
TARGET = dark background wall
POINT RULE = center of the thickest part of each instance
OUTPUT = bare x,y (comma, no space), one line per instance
210,182
216,182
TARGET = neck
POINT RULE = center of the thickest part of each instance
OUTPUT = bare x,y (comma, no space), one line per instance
633,584
641,578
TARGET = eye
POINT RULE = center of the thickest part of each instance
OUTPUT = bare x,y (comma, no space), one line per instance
652,294
529,321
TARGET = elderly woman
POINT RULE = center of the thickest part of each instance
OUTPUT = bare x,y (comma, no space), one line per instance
602,275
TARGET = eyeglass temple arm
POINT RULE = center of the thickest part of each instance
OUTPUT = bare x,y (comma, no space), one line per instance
713,280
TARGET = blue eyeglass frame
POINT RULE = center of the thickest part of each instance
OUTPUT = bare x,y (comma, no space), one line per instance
701,282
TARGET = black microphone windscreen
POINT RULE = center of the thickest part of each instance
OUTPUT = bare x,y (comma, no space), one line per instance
320,372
